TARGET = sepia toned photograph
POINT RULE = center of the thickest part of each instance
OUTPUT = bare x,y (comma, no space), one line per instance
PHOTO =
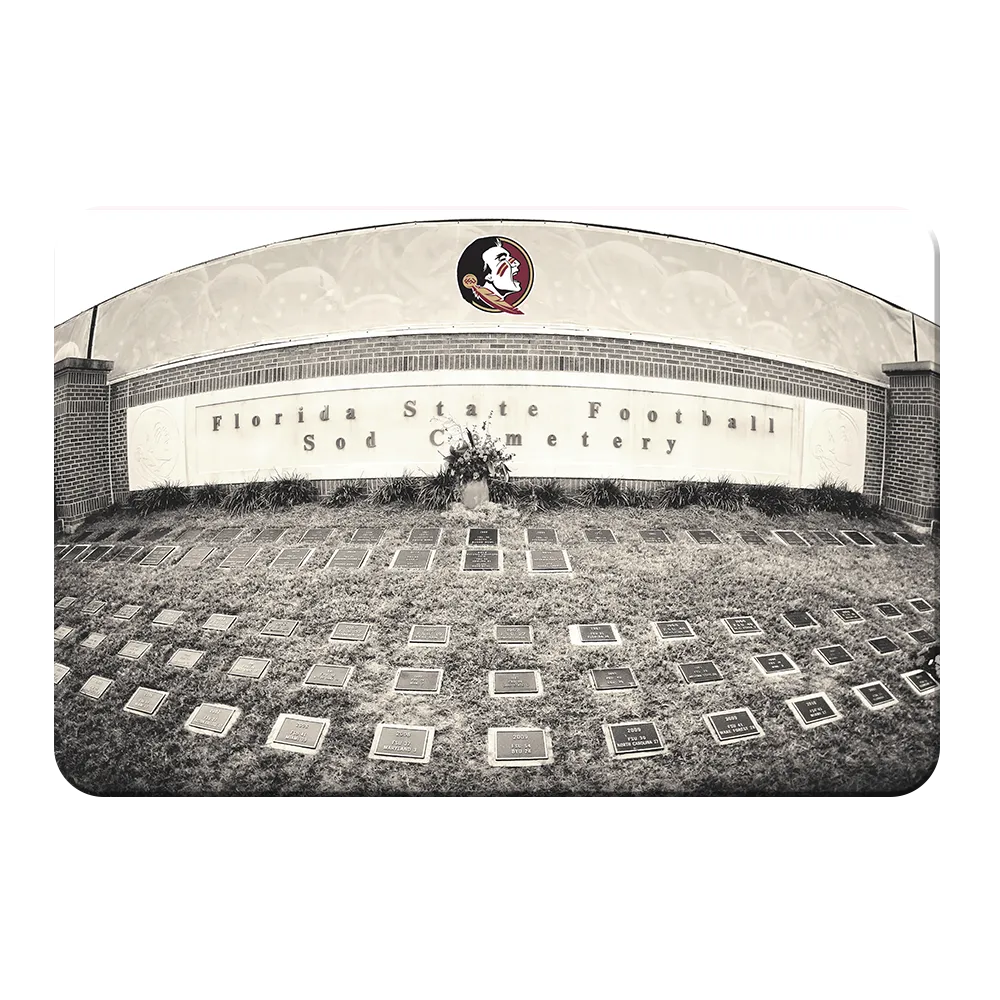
496,507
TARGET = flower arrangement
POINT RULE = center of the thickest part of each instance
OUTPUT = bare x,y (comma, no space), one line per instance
473,453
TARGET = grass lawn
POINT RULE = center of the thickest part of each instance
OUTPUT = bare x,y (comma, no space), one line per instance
104,750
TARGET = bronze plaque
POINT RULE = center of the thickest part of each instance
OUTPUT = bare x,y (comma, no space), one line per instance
196,556
419,681
515,682
63,632
401,741
145,701
702,672
367,535
220,622
133,649
157,555
424,537
95,687
419,559
600,535
348,559
635,737
742,625
211,718
541,536
327,675
61,670
489,537
835,655
93,640
703,536
733,726
432,635
513,635
481,560
548,561
127,612
93,607
168,617
240,557
521,744
186,658
614,679
280,628
292,558
252,667
597,633
350,631
296,732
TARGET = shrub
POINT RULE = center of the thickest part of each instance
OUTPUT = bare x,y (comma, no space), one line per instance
723,494
673,496
402,489
837,498
436,492
289,490
603,493
246,498
347,492
163,496
773,499
635,497
545,495
502,491
208,495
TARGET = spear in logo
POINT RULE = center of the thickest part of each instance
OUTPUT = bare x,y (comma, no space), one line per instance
488,296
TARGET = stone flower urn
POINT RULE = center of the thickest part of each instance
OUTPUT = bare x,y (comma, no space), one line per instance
475,493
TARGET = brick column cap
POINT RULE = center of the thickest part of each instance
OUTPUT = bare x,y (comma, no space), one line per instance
912,368
87,364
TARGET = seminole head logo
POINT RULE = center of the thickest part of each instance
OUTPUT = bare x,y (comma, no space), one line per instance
495,274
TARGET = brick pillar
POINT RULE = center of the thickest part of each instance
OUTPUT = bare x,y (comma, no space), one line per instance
912,451
82,462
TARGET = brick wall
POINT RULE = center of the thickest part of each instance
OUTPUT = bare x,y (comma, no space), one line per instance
82,467
497,352
912,461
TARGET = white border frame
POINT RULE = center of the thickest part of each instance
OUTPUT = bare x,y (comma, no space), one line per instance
108,681
289,548
514,645
146,715
927,692
806,544
609,740
849,621
878,652
428,743
929,610
916,545
837,542
481,548
210,551
256,539
549,544
291,747
798,628
352,544
537,693
795,669
857,689
615,540
889,604
708,716
409,544
793,702
491,746
673,638
192,728
329,528
154,622
691,538
171,549
419,670
182,649
530,563
876,534
411,569
574,635
249,677
215,540
349,667
222,565
215,628
354,642
666,540
264,634
146,647
348,569
835,645
690,663
861,545
481,527
98,553
429,645
636,686
741,635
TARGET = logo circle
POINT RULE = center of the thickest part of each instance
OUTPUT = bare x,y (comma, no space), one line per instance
495,275
155,442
